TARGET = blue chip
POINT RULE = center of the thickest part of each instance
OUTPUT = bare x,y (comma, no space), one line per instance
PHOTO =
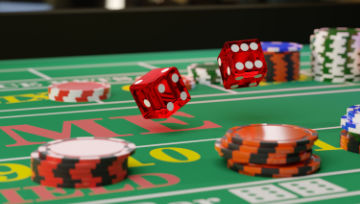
353,108
348,125
353,113
275,46
349,120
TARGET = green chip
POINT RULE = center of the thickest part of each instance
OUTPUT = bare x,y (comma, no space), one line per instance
205,73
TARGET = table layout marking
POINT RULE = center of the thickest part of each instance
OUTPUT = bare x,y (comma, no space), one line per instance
194,102
193,96
214,188
164,144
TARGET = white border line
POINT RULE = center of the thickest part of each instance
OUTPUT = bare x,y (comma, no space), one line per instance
82,77
192,96
146,65
194,102
214,188
241,92
318,198
221,88
65,106
163,144
39,74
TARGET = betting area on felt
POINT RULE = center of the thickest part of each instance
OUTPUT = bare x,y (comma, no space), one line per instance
175,160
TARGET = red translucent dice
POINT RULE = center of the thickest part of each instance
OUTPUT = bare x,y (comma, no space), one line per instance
242,63
160,93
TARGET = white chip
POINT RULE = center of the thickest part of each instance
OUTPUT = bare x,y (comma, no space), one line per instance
219,61
87,148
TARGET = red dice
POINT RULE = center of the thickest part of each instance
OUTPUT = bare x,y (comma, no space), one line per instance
242,63
160,93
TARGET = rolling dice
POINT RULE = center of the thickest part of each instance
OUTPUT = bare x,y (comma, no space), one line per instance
242,63
160,93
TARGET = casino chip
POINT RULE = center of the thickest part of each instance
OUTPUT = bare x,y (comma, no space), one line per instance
81,162
277,46
189,82
350,141
253,149
205,73
283,61
271,135
306,167
350,135
79,91
351,120
335,54
269,150
261,158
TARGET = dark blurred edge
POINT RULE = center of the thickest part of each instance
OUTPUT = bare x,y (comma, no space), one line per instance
88,32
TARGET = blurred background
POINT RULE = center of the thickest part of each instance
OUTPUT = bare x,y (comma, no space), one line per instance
51,28
47,5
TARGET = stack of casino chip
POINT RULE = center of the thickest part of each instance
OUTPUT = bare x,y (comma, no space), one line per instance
350,134
189,82
82,162
335,54
283,61
205,73
79,91
269,150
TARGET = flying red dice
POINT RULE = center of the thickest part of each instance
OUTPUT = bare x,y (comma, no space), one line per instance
242,63
160,93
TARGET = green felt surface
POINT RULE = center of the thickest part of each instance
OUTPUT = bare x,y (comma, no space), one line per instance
175,161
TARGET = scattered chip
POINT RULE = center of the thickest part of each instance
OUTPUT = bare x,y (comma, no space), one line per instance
205,73
189,82
79,91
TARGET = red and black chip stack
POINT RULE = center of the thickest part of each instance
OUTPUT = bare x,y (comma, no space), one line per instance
81,162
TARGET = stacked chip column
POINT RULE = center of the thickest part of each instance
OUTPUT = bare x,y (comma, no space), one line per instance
335,54
283,61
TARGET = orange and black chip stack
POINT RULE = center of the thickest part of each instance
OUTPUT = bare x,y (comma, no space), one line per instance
269,150
283,61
